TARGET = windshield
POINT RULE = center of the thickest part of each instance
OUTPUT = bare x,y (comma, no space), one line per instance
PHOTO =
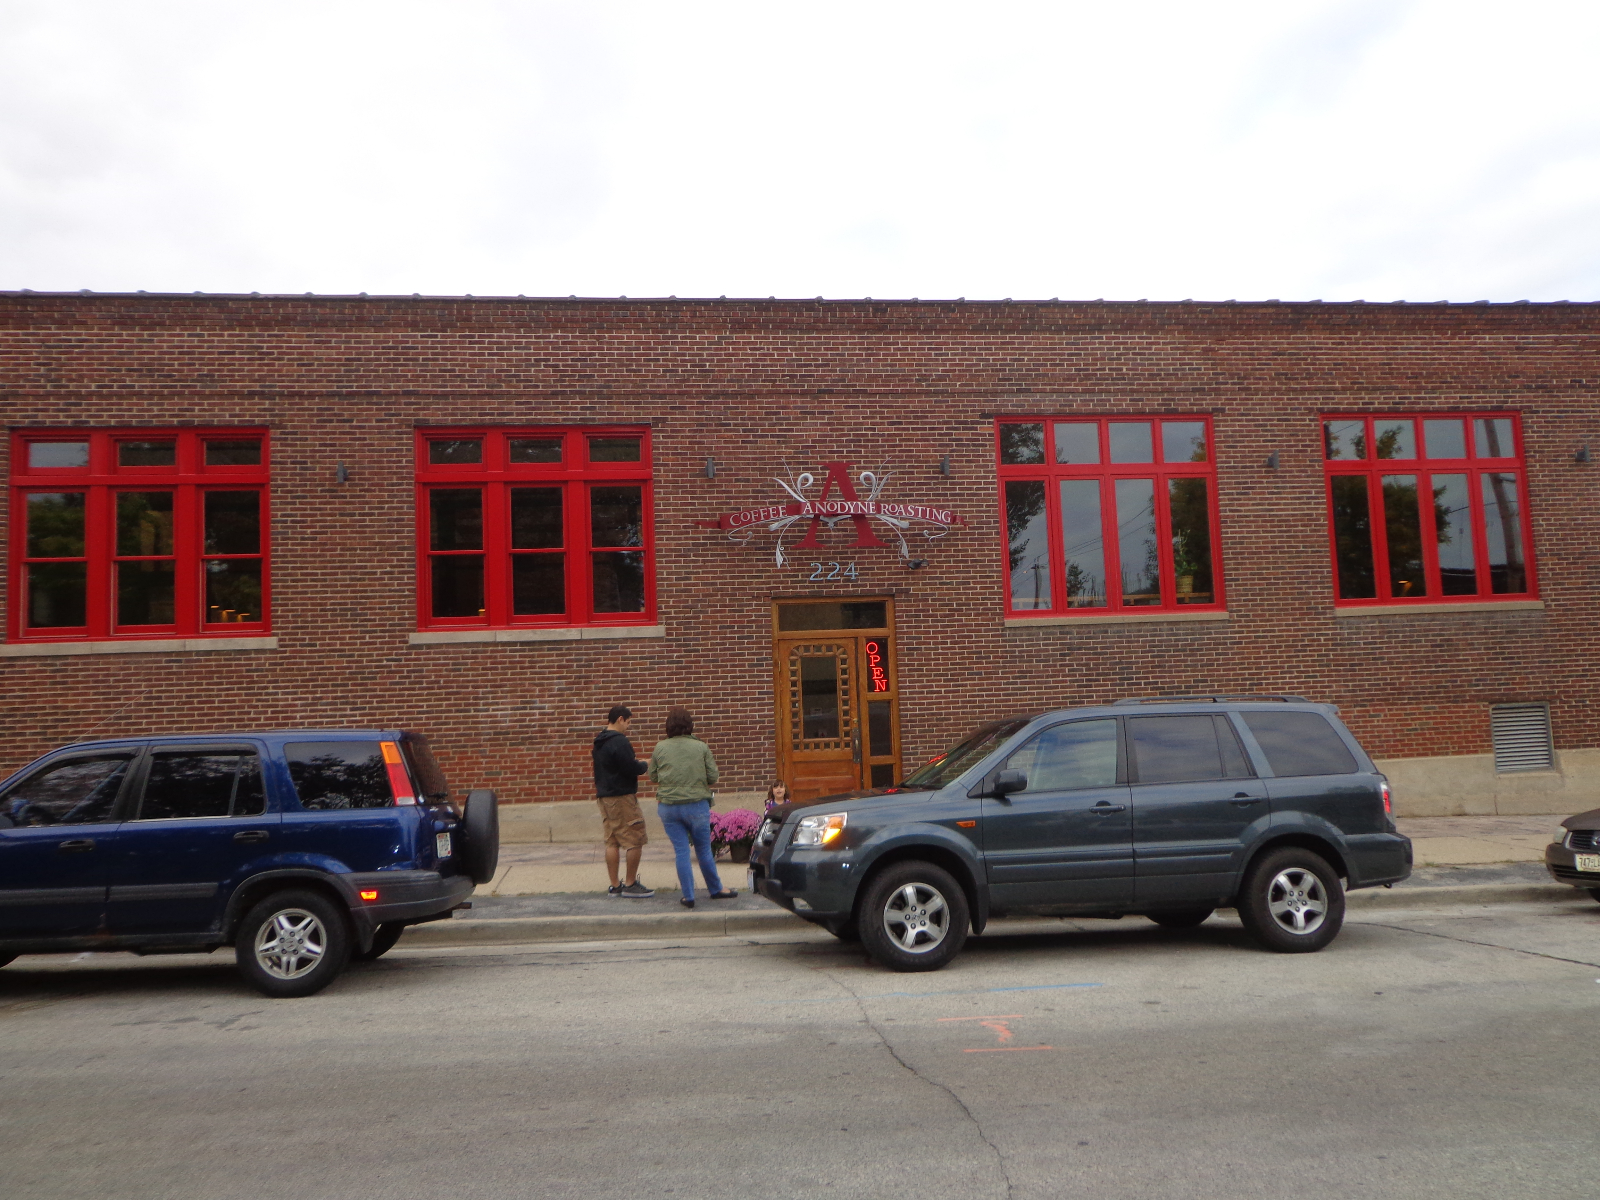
942,768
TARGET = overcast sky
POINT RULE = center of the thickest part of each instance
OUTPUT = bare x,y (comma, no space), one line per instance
1439,149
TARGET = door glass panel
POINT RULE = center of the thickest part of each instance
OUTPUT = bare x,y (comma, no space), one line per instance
875,652
189,785
616,516
535,518
880,728
1502,528
1234,763
1344,439
58,455
819,697
1395,439
233,522
538,584
1175,749
144,523
1131,443
1445,438
1077,442
1183,441
1191,540
1136,542
1027,530
1492,436
1352,537
462,451
848,614
80,791
147,454
55,524
1022,445
1079,754
1083,543
614,449
457,585
618,581
56,594
1402,525
144,593
233,454
1458,571
457,519
233,590
338,775
882,775
535,450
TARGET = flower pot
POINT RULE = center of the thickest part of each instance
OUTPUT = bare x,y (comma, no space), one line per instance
1185,584
739,852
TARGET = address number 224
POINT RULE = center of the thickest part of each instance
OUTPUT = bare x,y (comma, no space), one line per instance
832,570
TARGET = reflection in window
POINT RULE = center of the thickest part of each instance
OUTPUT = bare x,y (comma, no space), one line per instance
233,454
1452,516
233,590
144,592
147,454
58,455
144,524
616,516
1445,438
1395,439
538,584
457,585
1079,754
1402,527
79,791
1028,544
56,595
1176,749
55,524
1502,527
1078,442
536,450
1136,542
614,449
1493,437
1344,439
1021,445
339,775
186,785
1191,540
819,697
455,451
457,519
1084,549
233,522
1131,443
1352,537
618,581
1183,441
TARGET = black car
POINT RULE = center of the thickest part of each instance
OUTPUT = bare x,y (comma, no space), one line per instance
302,849
1573,856
1170,808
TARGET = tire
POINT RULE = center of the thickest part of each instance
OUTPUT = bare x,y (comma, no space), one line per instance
1180,918
913,917
1291,901
478,835
382,942
318,940
844,929
1595,892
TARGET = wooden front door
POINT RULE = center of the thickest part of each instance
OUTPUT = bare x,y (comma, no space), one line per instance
838,720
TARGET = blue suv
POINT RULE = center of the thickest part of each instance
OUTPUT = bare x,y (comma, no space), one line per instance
301,849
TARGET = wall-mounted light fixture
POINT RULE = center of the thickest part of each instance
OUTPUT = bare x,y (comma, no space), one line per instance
944,466
1583,454
342,473
916,564
1272,461
711,468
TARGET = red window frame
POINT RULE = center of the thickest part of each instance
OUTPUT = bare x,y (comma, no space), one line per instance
1475,464
1107,473
495,476
100,480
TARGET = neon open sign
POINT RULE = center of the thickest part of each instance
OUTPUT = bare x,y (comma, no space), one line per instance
877,664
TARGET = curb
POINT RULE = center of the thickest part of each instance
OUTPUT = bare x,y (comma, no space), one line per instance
501,931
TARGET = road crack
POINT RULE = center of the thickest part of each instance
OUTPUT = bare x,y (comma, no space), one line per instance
1450,937
999,1158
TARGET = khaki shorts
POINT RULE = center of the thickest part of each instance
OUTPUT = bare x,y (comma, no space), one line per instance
623,821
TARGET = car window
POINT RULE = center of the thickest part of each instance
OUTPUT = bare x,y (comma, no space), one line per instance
74,791
424,768
1300,743
1078,754
1185,749
942,768
190,783
334,775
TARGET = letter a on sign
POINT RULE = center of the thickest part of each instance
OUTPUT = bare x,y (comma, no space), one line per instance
839,473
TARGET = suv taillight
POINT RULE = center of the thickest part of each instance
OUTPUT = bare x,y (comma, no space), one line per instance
399,780
1388,803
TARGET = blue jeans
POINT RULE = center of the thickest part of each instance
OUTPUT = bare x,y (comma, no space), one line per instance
686,823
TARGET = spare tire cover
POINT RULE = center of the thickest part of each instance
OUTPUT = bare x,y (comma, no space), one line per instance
479,835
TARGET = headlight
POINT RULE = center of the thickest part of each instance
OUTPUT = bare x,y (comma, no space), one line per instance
1559,837
819,831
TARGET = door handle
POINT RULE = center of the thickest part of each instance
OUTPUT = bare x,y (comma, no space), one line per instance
251,835
1103,808
75,845
1244,800
855,744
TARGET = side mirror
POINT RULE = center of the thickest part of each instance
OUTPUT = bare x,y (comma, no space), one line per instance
1008,781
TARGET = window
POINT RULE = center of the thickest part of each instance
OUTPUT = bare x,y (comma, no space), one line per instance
138,534
1185,749
1299,743
1108,514
74,791
1427,508
1521,737
1079,754
218,783
534,527
339,775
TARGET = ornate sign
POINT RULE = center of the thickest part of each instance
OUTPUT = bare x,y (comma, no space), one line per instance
817,510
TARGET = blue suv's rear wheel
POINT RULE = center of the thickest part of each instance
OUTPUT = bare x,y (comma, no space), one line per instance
293,943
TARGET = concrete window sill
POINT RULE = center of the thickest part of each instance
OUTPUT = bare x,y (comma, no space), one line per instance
143,646
1474,606
1111,619
592,633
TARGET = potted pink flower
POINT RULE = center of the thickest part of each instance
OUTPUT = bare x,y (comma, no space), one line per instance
734,831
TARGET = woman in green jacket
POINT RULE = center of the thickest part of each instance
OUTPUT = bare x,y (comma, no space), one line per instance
683,771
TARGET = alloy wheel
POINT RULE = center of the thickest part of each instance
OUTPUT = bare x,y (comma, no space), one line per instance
916,918
291,943
1297,901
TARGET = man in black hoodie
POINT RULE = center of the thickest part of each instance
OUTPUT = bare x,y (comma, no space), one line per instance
616,788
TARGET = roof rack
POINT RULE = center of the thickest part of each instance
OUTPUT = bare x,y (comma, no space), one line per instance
1182,698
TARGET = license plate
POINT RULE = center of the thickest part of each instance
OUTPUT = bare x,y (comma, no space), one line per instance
441,843
1588,862
749,881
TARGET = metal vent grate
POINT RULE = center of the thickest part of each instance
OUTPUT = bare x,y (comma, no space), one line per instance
1521,734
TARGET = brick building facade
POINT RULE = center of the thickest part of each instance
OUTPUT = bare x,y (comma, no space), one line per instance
730,397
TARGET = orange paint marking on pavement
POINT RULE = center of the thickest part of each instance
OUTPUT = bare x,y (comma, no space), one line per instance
998,1024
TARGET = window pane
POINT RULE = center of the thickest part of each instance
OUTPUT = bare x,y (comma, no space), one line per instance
1299,743
1021,445
1077,441
1234,763
1352,537
248,798
144,523
144,593
819,697
1502,527
1079,754
535,518
619,581
876,651
616,516
233,454
849,614
1396,439
1136,542
1183,441
614,449
147,454
1174,749
338,775
457,585
1452,516
58,454
535,450
233,522
1402,529
882,775
1131,443
56,594
1445,438
880,728
1191,540
1493,439
189,785
538,584
1344,439
457,522
55,524
1028,543
455,452
80,791
233,590
1084,550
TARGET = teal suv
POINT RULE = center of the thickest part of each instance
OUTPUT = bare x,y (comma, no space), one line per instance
1169,807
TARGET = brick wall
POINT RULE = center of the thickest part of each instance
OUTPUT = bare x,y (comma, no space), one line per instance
757,385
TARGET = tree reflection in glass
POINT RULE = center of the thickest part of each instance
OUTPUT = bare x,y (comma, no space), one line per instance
1083,542
1352,537
1502,527
1458,572
1402,527
1136,542
1028,543
1191,540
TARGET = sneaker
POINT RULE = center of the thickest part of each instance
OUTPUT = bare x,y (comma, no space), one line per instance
614,890
636,891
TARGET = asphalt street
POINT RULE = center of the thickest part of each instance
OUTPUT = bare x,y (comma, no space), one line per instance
1428,1052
